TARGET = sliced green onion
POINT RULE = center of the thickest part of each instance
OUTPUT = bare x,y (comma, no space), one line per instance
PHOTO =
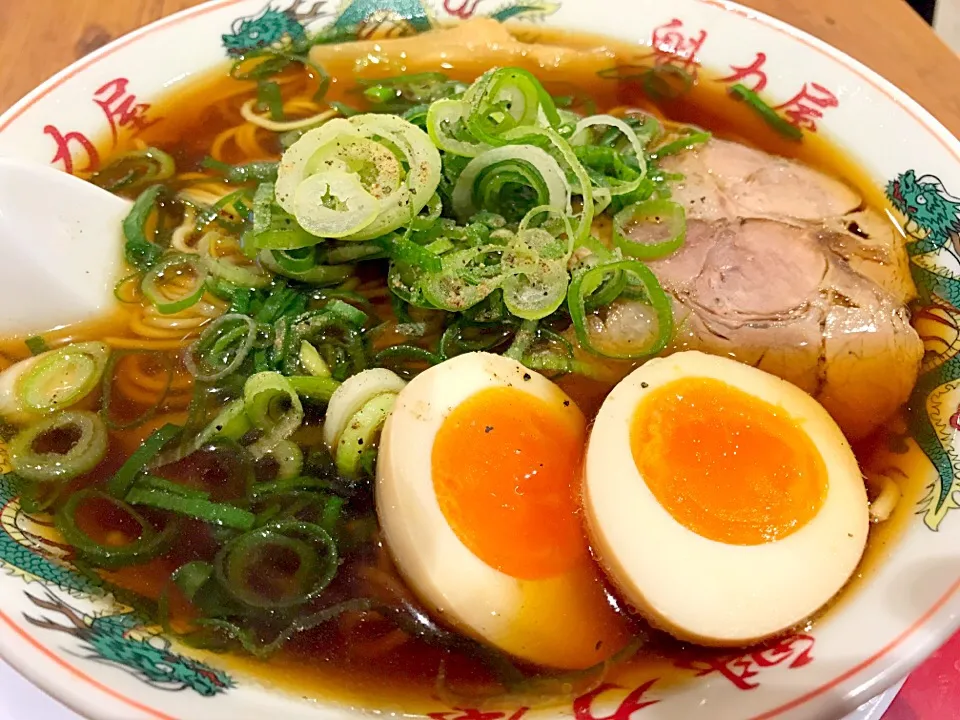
406,251
83,435
395,356
288,457
505,98
488,180
270,99
36,345
231,422
319,389
222,347
659,229
352,395
361,433
139,251
584,125
153,482
586,281
222,514
685,142
770,116
239,566
522,341
120,483
37,497
127,289
443,119
229,212
272,227
63,377
175,283
287,485
358,178
110,554
563,150
260,171
297,260
191,577
312,362
222,257
134,169
316,275
666,82
272,406
535,268
465,279
434,208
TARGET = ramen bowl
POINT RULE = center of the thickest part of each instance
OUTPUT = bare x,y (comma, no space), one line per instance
90,650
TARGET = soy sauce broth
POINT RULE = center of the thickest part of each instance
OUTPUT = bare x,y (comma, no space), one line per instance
370,663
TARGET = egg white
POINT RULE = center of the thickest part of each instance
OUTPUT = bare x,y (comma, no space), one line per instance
532,619
699,589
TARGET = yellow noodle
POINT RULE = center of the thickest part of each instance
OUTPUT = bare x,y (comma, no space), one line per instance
144,396
286,125
220,141
167,377
249,144
184,238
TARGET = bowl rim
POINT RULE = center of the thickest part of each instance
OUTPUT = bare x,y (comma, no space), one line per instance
938,625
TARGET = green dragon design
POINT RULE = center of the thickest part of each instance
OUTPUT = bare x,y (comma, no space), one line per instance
933,231
272,27
533,8
111,639
362,19
119,639
18,557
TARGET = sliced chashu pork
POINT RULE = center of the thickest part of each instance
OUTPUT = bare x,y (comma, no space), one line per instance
726,180
777,297
772,274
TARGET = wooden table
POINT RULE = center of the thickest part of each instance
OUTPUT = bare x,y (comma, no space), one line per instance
39,37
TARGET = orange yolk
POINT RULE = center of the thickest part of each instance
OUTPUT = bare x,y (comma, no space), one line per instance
725,464
505,466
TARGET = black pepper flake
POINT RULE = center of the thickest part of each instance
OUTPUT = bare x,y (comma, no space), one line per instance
566,403
488,428
526,376
598,645
359,441
644,385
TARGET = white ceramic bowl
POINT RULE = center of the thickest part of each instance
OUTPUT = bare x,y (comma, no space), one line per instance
93,657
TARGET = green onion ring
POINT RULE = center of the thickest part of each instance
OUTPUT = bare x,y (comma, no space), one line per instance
221,348
660,212
63,377
169,300
586,281
84,454
148,545
264,397
317,565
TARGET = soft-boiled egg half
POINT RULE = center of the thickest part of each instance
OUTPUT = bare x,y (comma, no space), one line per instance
477,493
723,502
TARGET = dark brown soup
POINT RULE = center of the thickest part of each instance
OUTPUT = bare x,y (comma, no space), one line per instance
363,654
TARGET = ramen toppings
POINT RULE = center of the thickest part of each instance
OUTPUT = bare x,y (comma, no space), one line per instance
383,399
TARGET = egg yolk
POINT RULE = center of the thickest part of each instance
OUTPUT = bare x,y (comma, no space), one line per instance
726,464
505,469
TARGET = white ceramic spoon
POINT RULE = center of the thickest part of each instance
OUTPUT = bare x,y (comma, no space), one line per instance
60,248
